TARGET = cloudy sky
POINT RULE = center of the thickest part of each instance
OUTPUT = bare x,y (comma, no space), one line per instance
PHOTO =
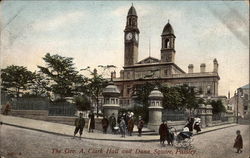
92,33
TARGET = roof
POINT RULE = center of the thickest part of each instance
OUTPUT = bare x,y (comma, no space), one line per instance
132,11
149,60
245,87
168,30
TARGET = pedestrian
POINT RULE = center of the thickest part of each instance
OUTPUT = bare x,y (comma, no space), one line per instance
131,124
7,108
112,123
91,121
119,117
105,124
190,123
79,123
163,132
140,125
197,122
238,144
122,127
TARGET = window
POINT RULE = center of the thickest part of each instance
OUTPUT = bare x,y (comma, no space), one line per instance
245,107
166,43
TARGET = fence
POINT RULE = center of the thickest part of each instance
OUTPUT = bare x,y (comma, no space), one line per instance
173,115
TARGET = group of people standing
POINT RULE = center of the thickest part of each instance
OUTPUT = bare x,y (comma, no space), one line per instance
125,122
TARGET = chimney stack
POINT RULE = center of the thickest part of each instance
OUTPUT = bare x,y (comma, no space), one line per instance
190,68
203,67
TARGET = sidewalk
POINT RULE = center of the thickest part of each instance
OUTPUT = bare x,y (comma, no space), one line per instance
66,130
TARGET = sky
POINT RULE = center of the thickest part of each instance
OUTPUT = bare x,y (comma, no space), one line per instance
92,33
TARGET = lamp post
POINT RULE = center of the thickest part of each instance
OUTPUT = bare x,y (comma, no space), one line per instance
237,95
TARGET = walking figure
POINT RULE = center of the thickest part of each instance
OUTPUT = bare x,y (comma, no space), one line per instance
91,122
163,132
105,124
122,126
238,144
140,125
79,123
112,123
131,124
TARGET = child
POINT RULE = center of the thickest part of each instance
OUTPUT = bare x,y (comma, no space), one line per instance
238,142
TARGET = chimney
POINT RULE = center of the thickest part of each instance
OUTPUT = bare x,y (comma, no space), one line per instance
190,68
216,65
203,67
114,74
228,95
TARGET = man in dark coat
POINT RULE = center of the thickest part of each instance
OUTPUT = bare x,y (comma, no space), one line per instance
190,123
79,123
92,122
163,132
105,124
238,144
131,124
140,125
112,123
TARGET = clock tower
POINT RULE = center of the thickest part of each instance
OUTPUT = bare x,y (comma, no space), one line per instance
131,38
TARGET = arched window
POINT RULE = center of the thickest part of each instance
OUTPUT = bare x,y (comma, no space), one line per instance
129,21
166,43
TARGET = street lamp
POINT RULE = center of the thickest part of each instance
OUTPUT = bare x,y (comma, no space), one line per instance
237,94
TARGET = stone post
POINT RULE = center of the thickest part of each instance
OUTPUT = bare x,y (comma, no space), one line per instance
111,100
202,114
155,109
209,115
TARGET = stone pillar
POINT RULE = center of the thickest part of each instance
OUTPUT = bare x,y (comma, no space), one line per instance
209,115
155,109
216,65
111,100
202,114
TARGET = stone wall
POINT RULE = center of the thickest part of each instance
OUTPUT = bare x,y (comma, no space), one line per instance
43,115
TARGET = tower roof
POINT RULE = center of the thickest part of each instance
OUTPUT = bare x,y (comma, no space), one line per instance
168,29
132,11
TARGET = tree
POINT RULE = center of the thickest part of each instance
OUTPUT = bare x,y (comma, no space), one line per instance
95,85
218,106
172,98
62,74
16,79
142,92
82,103
189,99
40,85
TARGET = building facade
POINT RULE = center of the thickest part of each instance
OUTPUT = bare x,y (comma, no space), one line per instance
163,70
241,99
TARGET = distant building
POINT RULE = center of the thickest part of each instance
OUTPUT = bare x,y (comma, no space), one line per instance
243,101
163,70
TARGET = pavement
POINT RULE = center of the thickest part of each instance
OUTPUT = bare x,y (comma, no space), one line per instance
67,130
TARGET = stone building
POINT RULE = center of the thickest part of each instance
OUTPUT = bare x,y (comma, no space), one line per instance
163,70
241,97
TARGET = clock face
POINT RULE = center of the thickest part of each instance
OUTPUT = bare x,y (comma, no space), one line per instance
129,36
136,37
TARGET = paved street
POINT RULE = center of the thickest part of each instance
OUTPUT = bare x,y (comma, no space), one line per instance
18,142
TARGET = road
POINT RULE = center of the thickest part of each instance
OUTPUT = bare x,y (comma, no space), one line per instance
23,143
